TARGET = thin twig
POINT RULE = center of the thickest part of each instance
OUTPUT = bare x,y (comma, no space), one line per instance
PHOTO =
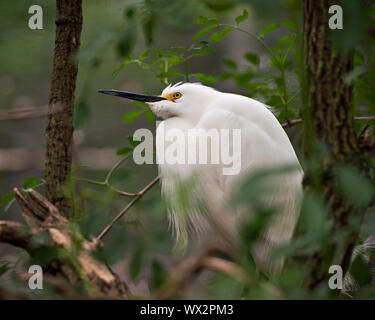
106,182
255,37
110,173
369,118
24,113
128,206
293,122
363,130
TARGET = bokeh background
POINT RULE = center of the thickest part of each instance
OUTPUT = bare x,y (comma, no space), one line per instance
114,31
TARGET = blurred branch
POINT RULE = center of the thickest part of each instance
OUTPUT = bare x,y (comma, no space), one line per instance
6,294
14,233
211,259
15,159
74,261
24,113
138,196
369,118
60,285
293,122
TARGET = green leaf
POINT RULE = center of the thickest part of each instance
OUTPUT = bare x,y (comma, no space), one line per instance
360,271
122,66
242,17
74,169
217,36
30,182
314,217
5,267
180,48
81,114
144,54
162,52
276,64
158,275
205,20
267,29
250,230
289,39
140,104
219,6
136,263
150,116
355,186
201,53
205,78
230,63
169,74
133,142
204,31
6,198
226,75
252,58
359,58
244,78
9,205
129,61
148,25
127,41
289,24
131,116
123,151
172,61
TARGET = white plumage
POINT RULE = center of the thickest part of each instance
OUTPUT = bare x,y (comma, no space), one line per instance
205,213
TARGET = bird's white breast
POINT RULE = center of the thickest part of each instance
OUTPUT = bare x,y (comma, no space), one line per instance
264,144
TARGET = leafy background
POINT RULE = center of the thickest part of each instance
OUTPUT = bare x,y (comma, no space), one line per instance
248,47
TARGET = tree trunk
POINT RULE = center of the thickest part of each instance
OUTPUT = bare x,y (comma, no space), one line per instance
328,119
61,101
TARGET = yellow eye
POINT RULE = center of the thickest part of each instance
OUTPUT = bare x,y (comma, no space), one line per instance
177,95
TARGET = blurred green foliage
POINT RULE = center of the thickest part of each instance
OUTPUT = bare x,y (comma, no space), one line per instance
267,66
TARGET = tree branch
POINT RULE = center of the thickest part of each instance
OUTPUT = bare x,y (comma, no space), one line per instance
127,208
14,233
211,259
24,113
293,122
74,261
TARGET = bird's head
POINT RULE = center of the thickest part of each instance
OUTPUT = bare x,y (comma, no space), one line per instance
184,100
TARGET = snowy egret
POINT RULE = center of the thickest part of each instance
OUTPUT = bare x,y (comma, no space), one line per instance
263,145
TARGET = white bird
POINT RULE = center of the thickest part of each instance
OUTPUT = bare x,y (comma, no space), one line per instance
205,214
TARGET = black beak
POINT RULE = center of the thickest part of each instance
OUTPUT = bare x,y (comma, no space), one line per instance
133,96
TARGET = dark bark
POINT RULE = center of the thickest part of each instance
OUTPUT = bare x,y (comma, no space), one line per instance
61,101
329,104
328,119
